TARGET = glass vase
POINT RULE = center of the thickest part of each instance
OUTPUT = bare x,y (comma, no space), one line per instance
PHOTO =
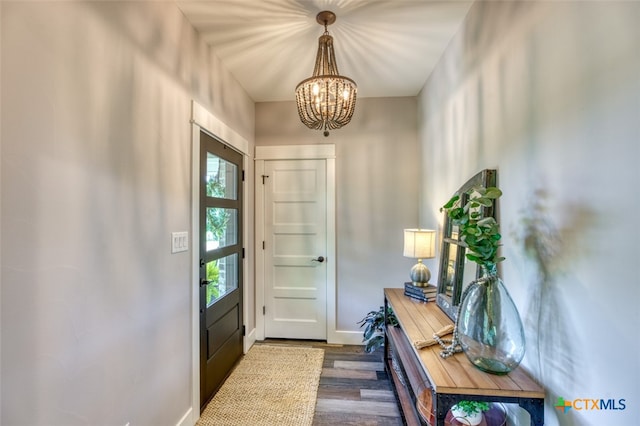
489,326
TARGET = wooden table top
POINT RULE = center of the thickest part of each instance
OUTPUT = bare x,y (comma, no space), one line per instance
456,374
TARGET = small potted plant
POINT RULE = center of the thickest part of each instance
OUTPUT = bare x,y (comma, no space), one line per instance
469,412
373,325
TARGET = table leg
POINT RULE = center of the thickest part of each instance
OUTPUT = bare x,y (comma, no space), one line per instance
535,407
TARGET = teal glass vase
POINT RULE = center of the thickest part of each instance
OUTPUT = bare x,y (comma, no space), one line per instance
489,327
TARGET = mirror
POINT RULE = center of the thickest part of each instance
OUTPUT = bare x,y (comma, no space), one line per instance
456,271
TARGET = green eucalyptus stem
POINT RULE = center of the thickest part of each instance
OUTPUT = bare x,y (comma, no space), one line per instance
490,276
481,236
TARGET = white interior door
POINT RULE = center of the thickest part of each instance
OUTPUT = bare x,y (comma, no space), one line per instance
295,282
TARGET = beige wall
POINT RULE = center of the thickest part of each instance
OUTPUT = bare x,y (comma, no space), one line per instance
96,174
548,93
377,174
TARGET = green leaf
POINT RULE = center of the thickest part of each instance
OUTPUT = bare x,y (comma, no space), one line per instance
486,202
471,407
368,333
481,190
493,192
486,221
472,257
456,213
451,202
473,230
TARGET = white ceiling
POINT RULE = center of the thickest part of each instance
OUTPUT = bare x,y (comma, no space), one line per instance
389,47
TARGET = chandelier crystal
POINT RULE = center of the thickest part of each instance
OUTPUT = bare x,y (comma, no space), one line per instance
326,100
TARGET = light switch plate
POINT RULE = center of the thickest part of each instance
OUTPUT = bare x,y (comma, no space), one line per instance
179,242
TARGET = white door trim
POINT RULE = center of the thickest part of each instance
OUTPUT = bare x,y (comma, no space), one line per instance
203,121
297,152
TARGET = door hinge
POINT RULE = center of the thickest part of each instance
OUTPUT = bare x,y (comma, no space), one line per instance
264,177
243,175
264,310
243,252
244,330
263,245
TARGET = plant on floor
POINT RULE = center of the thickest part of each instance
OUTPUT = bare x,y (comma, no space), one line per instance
373,324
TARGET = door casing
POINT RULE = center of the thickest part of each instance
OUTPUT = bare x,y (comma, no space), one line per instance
296,152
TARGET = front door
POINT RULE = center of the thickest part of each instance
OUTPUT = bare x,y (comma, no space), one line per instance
220,263
295,249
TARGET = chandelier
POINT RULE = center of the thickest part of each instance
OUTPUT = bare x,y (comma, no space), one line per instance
326,100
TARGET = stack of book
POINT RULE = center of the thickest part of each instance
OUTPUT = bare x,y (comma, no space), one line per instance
425,294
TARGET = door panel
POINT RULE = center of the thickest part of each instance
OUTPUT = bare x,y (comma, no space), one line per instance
223,329
295,229
220,264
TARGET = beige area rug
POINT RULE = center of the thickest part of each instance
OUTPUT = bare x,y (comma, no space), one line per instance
272,385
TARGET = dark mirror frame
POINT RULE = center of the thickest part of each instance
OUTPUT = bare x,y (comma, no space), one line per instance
455,270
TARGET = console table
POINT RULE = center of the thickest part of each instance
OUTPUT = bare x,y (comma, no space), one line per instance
427,385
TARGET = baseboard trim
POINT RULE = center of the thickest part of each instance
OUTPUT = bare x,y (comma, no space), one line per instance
249,340
186,420
341,337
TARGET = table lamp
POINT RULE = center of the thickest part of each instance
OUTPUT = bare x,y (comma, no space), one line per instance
420,244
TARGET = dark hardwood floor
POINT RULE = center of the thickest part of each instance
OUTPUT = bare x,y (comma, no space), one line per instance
354,388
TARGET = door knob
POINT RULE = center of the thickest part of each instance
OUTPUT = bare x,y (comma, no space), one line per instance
319,259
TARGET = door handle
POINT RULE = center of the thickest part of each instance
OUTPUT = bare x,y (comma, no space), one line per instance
204,283
320,259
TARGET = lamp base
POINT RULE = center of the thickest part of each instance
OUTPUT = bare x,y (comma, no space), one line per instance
420,274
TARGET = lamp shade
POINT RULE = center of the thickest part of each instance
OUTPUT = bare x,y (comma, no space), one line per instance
420,243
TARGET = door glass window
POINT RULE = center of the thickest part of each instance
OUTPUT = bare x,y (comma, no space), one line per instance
220,178
222,276
222,227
